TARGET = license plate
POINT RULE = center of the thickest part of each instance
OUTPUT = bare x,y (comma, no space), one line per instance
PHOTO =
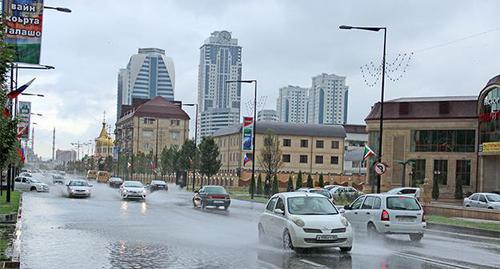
326,237
406,219
218,202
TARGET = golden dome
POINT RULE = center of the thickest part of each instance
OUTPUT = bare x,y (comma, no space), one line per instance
104,139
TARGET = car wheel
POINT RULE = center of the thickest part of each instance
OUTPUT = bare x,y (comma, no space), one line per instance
262,235
287,241
416,237
372,231
33,189
226,207
345,249
467,205
490,207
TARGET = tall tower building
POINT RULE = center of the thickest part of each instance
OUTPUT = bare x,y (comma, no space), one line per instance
328,100
149,73
219,102
292,104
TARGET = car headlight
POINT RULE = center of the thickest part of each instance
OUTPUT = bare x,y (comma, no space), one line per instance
144,191
298,221
125,191
344,221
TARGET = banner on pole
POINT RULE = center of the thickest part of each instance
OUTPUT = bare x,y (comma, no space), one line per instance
23,28
24,115
247,133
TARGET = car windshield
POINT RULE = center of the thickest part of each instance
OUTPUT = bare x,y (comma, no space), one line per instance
402,203
215,190
134,184
158,182
305,205
394,191
79,183
322,192
34,180
493,197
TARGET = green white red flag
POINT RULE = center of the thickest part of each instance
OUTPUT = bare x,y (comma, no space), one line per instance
368,152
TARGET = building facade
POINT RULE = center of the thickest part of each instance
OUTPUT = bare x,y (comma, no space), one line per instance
103,143
310,148
434,136
149,73
267,115
151,127
64,156
292,104
328,100
355,140
219,102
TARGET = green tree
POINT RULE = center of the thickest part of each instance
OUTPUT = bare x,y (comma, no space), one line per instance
298,182
289,185
321,182
435,189
309,181
275,188
169,160
260,188
209,158
270,155
188,156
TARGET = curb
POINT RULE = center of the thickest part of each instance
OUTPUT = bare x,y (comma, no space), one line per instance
463,230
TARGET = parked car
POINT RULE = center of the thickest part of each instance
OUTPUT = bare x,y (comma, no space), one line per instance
387,214
115,182
483,200
132,189
103,176
78,188
92,174
57,179
158,185
345,192
321,191
410,191
25,174
304,220
212,195
24,183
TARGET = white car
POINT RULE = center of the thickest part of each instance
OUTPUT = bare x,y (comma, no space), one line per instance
410,191
24,183
483,200
25,174
132,189
304,220
387,214
57,179
78,188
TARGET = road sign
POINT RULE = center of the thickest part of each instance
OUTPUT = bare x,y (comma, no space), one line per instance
380,168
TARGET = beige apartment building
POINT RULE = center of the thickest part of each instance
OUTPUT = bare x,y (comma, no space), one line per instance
152,126
310,148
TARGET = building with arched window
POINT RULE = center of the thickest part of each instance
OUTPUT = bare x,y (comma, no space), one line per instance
489,135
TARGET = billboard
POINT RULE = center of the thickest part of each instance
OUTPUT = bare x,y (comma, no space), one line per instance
23,28
247,133
24,116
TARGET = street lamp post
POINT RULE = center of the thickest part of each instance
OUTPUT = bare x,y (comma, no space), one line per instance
195,134
376,29
254,127
60,9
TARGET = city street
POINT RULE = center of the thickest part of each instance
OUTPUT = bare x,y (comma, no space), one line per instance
166,231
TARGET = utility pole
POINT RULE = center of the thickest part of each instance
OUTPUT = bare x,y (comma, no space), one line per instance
53,143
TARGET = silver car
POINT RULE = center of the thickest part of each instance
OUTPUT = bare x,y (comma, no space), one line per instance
132,189
483,200
410,191
387,214
78,188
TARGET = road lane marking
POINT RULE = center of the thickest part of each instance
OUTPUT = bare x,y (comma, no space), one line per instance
311,263
433,261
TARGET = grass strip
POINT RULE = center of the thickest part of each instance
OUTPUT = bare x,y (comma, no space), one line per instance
463,223
13,206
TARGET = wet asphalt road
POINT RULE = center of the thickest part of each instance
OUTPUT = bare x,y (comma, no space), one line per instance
166,231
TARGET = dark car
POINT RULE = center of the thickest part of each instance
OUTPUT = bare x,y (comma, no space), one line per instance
158,185
214,196
115,182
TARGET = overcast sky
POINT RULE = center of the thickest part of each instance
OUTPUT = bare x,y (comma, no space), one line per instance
456,45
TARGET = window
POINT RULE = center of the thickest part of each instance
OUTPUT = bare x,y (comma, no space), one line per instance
147,133
174,136
146,146
18,179
402,203
319,159
335,144
320,144
175,122
441,171
271,203
482,198
334,160
287,142
418,172
148,120
376,204
280,204
443,140
304,143
463,172
357,204
286,158
303,158
474,197
368,204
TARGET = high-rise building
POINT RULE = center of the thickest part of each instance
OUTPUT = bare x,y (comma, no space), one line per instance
149,73
328,100
292,104
219,102
267,115
64,156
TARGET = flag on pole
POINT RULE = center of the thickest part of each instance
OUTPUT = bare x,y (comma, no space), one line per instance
245,159
14,94
368,152
21,154
6,113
